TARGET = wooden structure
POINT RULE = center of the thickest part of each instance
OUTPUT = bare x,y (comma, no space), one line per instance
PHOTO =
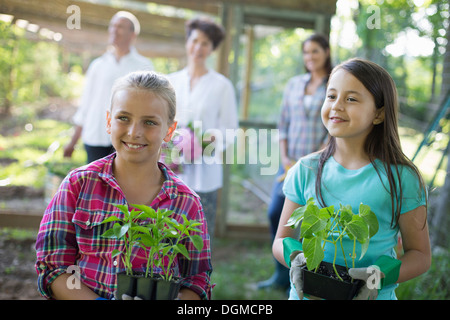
162,35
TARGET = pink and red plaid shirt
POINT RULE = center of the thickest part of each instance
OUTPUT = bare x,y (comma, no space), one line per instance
70,231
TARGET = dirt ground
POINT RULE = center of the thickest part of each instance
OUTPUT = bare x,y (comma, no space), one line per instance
17,273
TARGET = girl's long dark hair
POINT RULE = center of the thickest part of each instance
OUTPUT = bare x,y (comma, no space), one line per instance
383,142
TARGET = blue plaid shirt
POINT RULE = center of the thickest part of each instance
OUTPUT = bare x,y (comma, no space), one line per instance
301,127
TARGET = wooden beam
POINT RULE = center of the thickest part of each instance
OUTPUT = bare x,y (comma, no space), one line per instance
23,220
211,6
160,36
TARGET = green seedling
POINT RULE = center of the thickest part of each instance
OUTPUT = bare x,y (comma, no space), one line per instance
322,226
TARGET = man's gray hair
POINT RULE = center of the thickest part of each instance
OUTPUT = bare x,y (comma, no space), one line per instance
136,26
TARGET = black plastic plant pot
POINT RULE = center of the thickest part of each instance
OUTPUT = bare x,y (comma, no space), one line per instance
126,284
326,285
147,288
158,289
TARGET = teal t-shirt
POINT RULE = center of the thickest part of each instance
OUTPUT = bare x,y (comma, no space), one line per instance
353,187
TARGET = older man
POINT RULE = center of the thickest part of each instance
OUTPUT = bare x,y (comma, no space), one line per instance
120,59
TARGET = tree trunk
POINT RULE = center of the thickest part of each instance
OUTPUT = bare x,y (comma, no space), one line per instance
441,216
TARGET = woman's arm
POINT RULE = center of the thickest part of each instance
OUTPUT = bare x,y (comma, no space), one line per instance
416,244
283,231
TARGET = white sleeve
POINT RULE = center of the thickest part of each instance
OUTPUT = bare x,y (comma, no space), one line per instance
86,96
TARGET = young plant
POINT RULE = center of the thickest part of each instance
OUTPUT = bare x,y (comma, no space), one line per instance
162,236
322,226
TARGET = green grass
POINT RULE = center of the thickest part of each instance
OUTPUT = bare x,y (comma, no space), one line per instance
32,153
238,265
433,284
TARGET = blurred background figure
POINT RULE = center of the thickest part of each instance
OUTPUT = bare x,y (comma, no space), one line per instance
301,129
206,98
120,59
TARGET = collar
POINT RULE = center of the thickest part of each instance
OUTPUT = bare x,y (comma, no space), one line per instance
170,188
133,52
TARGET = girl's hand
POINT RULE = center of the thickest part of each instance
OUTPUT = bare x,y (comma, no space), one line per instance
371,278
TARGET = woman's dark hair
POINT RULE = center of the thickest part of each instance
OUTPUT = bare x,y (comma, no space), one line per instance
322,41
383,142
214,31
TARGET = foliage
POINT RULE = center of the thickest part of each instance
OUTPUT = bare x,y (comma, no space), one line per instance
31,71
432,285
321,226
411,71
33,147
277,57
162,235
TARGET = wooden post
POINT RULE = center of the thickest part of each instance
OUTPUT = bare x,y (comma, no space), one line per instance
246,92
223,67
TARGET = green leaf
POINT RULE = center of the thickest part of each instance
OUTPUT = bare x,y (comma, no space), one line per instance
111,219
346,215
364,247
370,219
358,229
140,229
312,222
326,213
119,230
182,249
296,217
197,241
312,249
109,234
115,253
146,212
124,209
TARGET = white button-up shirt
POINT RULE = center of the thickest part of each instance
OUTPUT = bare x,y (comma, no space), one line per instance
212,105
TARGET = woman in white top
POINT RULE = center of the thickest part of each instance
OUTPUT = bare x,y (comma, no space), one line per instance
206,100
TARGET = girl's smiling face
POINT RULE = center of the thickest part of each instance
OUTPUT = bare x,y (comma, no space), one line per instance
138,124
349,110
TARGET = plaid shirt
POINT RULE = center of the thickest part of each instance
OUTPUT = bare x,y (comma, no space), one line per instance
302,127
70,231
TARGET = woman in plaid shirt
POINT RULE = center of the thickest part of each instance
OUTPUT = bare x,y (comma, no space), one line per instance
141,118
301,129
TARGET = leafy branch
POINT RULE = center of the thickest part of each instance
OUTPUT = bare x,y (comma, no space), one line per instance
161,236
321,226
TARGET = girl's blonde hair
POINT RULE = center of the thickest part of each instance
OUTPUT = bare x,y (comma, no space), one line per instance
148,81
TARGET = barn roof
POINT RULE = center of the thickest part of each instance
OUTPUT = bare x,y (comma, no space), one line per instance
162,27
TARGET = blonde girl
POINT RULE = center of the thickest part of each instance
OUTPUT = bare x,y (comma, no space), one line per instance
141,117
